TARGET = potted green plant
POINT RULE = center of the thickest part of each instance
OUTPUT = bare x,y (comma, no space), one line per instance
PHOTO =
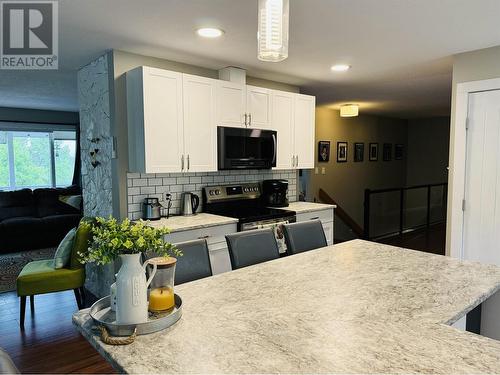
127,240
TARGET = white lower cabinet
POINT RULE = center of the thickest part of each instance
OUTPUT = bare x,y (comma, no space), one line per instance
216,240
326,218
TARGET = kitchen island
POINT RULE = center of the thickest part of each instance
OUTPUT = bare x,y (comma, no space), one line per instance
356,307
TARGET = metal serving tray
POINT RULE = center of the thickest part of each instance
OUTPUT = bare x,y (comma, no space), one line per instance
102,315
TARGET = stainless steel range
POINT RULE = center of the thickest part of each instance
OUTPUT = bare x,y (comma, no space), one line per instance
243,202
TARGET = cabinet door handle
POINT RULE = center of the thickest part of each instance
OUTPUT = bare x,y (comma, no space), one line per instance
204,237
293,161
182,162
246,119
297,162
314,218
250,119
188,162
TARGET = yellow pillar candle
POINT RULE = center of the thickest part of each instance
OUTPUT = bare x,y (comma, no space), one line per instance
161,299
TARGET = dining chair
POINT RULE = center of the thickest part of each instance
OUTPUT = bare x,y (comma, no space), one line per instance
252,247
304,236
194,263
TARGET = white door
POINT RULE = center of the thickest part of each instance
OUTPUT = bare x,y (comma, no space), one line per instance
231,104
304,134
481,234
282,122
259,107
482,182
163,128
200,129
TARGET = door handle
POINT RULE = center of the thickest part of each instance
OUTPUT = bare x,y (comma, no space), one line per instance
188,162
182,162
297,163
246,115
250,119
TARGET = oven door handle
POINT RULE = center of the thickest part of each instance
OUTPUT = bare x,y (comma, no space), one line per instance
274,148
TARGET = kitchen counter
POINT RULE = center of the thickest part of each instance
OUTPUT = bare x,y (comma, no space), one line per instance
303,207
200,220
355,307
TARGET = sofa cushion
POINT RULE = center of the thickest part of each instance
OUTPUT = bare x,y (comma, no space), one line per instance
47,201
40,277
16,204
62,256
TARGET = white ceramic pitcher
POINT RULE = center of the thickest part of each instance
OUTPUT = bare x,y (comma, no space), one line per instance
131,290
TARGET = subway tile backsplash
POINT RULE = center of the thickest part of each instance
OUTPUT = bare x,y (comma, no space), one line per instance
140,185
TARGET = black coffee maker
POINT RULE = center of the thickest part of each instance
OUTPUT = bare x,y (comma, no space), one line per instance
274,193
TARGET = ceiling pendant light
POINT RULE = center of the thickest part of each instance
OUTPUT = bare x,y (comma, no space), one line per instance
272,36
349,110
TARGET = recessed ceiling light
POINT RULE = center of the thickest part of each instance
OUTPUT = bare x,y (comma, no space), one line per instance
341,67
210,32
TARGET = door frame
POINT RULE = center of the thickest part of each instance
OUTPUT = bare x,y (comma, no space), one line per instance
457,164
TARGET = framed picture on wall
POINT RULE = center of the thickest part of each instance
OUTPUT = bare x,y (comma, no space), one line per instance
359,152
373,152
387,152
341,152
398,152
323,151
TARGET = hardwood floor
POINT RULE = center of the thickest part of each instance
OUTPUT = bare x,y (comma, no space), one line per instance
49,342
431,241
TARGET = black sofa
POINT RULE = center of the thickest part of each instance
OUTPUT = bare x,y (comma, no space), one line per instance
35,219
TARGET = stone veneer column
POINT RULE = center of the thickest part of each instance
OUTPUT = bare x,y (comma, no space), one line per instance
95,133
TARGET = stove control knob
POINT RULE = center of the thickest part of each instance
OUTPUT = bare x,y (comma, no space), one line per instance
217,192
211,192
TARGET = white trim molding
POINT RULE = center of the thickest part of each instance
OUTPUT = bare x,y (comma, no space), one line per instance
458,143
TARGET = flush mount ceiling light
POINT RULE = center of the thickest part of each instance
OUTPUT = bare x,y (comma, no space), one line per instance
349,110
340,67
210,32
272,34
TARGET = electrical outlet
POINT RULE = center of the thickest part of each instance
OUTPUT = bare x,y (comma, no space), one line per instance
316,170
323,170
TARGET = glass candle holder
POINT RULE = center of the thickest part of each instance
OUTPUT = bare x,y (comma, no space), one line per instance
161,295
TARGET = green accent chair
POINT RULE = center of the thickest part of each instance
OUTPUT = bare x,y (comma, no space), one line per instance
40,277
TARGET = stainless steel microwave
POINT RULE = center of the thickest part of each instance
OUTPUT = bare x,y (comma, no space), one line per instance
243,148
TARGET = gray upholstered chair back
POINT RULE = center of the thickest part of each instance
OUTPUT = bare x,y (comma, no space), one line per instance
194,264
252,247
304,236
6,364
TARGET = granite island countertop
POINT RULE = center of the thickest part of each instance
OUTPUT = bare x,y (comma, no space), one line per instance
356,307
197,221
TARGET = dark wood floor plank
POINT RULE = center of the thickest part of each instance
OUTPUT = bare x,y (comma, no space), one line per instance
49,342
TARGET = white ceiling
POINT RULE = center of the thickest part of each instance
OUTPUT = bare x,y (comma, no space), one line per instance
400,50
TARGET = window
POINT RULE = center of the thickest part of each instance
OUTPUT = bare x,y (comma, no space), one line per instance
36,159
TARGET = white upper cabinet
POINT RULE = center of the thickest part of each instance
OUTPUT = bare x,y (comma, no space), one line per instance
259,107
231,104
294,120
155,121
173,119
282,122
200,128
304,131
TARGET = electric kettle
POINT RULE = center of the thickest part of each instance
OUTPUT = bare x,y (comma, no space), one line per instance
190,203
